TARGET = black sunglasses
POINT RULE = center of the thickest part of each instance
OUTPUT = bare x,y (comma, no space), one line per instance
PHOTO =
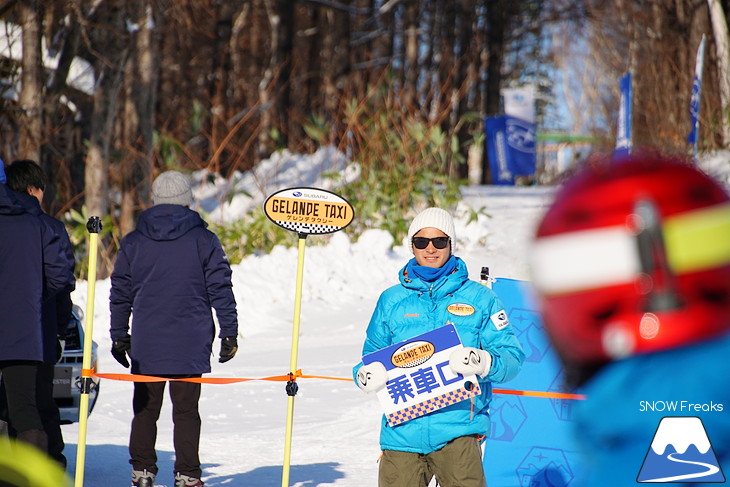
438,242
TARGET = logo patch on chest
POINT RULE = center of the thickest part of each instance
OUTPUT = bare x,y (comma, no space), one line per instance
460,309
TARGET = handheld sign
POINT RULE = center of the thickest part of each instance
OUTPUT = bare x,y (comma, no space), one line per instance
419,378
309,211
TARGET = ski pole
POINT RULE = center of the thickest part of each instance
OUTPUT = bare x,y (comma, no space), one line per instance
291,387
94,227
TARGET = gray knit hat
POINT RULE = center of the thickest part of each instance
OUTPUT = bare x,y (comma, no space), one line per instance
172,188
434,218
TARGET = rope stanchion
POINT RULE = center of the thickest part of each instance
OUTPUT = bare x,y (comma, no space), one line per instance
93,225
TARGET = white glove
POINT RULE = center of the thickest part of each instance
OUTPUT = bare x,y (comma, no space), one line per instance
372,377
470,361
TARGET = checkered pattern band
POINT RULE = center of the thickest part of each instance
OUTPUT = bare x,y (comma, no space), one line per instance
308,228
426,407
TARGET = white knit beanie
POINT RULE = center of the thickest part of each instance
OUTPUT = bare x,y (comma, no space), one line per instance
172,188
434,218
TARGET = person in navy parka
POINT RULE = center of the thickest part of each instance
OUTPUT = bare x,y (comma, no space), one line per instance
444,443
168,275
32,267
27,178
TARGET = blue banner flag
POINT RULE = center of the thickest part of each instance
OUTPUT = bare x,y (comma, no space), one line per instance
623,127
694,103
510,147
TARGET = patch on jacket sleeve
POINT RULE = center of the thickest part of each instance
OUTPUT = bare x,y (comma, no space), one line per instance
460,309
500,319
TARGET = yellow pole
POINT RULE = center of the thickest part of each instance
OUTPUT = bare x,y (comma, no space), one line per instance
94,227
291,387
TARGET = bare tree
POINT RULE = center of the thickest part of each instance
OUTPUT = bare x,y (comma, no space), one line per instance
31,94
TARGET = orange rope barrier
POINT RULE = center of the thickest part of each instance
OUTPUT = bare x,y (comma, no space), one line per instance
552,395
293,377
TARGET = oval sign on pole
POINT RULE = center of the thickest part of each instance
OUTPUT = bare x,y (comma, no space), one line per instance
309,211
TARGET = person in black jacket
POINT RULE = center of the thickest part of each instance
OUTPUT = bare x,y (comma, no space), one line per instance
32,268
168,274
27,178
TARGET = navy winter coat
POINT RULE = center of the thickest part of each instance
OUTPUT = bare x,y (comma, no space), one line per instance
56,310
32,265
169,273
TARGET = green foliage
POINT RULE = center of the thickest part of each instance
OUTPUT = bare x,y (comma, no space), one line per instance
404,163
253,233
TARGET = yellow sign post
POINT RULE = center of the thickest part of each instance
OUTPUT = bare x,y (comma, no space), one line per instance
94,228
306,211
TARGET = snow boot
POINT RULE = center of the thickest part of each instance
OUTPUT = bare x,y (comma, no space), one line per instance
142,478
187,481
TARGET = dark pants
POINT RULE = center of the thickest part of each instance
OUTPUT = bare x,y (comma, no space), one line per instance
19,379
46,406
458,464
48,409
147,404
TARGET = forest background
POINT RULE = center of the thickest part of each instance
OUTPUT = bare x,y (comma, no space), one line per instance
106,94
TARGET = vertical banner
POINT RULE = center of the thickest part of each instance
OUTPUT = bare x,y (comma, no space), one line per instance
694,103
510,148
623,126
531,442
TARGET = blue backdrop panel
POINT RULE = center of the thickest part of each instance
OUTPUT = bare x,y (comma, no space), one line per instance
531,443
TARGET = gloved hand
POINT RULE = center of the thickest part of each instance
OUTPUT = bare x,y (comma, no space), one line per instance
229,347
60,347
372,377
470,361
120,348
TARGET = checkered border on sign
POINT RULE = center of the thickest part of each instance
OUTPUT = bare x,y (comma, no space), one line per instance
426,407
314,229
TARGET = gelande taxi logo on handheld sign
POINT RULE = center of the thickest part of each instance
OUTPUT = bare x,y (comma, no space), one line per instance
680,451
413,354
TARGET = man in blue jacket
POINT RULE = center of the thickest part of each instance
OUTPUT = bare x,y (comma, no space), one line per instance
168,275
32,268
27,178
434,288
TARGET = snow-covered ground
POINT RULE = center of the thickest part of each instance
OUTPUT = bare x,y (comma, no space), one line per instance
335,430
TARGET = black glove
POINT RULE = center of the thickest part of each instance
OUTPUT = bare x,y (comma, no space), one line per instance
120,347
229,347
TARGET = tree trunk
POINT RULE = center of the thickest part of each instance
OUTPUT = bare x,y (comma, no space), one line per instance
140,81
31,94
495,46
108,71
722,45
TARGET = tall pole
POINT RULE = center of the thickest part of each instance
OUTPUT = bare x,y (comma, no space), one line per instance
94,227
291,386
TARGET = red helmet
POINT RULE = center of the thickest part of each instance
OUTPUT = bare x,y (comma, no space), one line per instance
633,257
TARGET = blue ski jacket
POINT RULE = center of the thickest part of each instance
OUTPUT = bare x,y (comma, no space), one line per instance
168,275
33,266
414,307
627,399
